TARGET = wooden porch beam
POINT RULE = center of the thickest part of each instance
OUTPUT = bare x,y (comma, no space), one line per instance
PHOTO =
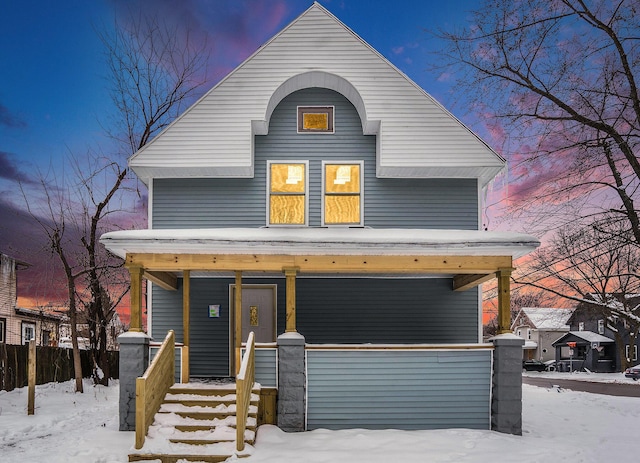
504,300
135,294
238,321
451,265
290,277
465,282
186,323
165,280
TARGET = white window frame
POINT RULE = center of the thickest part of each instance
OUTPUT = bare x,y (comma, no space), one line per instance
26,325
306,192
580,326
323,194
3,330
601,326
635,352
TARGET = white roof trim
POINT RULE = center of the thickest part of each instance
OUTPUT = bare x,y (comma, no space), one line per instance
176,158
320,241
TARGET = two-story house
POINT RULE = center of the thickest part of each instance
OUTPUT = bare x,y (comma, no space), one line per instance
321,199
600,338
19,325
540,327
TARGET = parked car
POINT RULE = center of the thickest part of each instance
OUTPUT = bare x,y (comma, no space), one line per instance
533,365
633,372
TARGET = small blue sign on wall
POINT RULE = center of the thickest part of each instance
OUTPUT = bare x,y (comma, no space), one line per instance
214,311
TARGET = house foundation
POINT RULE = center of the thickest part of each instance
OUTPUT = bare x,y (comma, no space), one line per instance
291,382
506,400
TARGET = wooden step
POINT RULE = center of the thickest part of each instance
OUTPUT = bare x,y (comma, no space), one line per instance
201,417
183,457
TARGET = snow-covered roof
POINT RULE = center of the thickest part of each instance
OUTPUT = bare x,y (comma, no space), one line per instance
588,336
320,241
548,318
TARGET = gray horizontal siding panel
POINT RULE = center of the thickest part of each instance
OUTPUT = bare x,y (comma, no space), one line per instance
388,203
398,389
266,363
266,367
329,310
394,311
209,343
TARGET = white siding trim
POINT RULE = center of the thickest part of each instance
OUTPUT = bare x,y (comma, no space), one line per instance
150,204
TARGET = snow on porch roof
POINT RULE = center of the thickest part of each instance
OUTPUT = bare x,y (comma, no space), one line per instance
319,241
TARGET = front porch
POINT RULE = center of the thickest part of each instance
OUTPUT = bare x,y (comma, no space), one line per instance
464,258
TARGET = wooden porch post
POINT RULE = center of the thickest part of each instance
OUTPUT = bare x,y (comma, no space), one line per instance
504,300
135,294
186,316
290,274
238,320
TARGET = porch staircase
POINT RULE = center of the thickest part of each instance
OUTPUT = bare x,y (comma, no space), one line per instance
197,423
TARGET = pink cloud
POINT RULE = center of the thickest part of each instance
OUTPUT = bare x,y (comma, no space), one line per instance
230,31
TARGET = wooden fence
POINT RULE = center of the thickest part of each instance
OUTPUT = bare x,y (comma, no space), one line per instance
54,364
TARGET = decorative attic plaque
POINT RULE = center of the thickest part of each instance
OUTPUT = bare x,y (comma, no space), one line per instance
315,119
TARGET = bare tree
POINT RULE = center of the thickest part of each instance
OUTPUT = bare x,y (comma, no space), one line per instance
597,266
155,71
562,76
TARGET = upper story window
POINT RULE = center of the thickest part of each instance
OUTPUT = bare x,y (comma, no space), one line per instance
601,326
287,192
315,119
342,193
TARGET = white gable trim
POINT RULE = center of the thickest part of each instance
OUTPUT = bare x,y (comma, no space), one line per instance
415,136
319,79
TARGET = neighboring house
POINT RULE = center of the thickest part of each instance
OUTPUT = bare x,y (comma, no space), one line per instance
540,327
588,318
115,328
18,325
345,202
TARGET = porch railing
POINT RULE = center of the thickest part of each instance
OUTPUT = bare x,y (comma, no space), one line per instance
153,386
244,386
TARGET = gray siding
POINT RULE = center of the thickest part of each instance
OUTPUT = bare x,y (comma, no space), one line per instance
329,310
266,366
385,311
389,203
398,389
209,349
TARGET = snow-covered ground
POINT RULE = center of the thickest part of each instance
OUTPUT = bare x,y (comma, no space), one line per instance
583,376
559,426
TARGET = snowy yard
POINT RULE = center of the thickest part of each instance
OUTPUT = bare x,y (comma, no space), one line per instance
559,426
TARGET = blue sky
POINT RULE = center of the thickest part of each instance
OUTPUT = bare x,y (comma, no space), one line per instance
53,78
53,87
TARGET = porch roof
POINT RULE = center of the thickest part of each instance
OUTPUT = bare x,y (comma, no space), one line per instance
320,241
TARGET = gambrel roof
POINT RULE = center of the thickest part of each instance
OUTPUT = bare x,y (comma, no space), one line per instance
416,136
